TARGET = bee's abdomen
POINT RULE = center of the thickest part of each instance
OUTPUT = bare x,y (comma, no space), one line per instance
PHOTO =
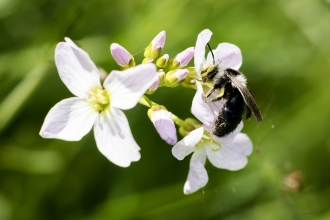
229,116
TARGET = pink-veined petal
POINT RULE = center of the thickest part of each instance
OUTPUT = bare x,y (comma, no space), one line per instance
199,53
197,176
126,87
69,120
159,41
232,155
184,57
229,56
114,138
164,125
200,109
76,69
187,144
228,137
120,54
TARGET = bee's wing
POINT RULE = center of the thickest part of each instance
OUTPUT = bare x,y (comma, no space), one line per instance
247,96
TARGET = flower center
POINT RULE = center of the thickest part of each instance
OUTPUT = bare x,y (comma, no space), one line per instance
207,141
99,99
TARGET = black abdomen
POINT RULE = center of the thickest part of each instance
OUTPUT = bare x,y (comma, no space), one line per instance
230,115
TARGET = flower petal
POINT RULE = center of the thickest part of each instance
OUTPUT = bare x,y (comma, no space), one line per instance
76,69
114,138
164,125
69,120
232,155
200,109
229,56
197,176
187,144
126,87
228,137
199,53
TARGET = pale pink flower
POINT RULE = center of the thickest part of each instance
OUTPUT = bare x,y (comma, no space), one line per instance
97,106
229,156
228,152
226,55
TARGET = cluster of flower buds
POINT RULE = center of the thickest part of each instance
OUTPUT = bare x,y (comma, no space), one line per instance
99,106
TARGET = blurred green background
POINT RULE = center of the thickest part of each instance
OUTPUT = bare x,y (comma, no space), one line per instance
286,58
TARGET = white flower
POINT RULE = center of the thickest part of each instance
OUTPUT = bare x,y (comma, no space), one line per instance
226,55
72,118
228,152
230,155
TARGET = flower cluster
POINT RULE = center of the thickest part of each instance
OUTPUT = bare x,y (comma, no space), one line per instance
100,106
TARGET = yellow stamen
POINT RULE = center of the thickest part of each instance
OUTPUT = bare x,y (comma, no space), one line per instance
99,99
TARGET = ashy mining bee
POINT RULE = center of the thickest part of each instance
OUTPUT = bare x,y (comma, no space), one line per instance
229,84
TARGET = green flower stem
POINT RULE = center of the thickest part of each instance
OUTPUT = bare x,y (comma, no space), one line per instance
144,100
177,120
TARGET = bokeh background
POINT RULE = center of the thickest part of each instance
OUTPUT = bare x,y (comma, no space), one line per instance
286,58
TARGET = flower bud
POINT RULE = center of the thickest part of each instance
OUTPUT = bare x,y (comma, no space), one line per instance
162,61
154,86
156,46
189,125
182,59
122,57
190,80
161,75
147,60
175,77
163,122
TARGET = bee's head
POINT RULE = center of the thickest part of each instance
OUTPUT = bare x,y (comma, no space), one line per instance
209,72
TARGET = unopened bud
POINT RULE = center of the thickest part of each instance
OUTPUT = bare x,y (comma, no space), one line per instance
182,59
147,60
122,57
154,86
175,77
156,46
161,75
163,122
190,80
162,61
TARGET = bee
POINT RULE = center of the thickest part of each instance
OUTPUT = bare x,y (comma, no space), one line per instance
229,84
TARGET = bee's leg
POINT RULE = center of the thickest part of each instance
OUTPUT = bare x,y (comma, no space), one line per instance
209,92
218,97
221,93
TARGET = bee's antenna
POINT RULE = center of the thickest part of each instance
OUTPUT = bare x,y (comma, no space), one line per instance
211,52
